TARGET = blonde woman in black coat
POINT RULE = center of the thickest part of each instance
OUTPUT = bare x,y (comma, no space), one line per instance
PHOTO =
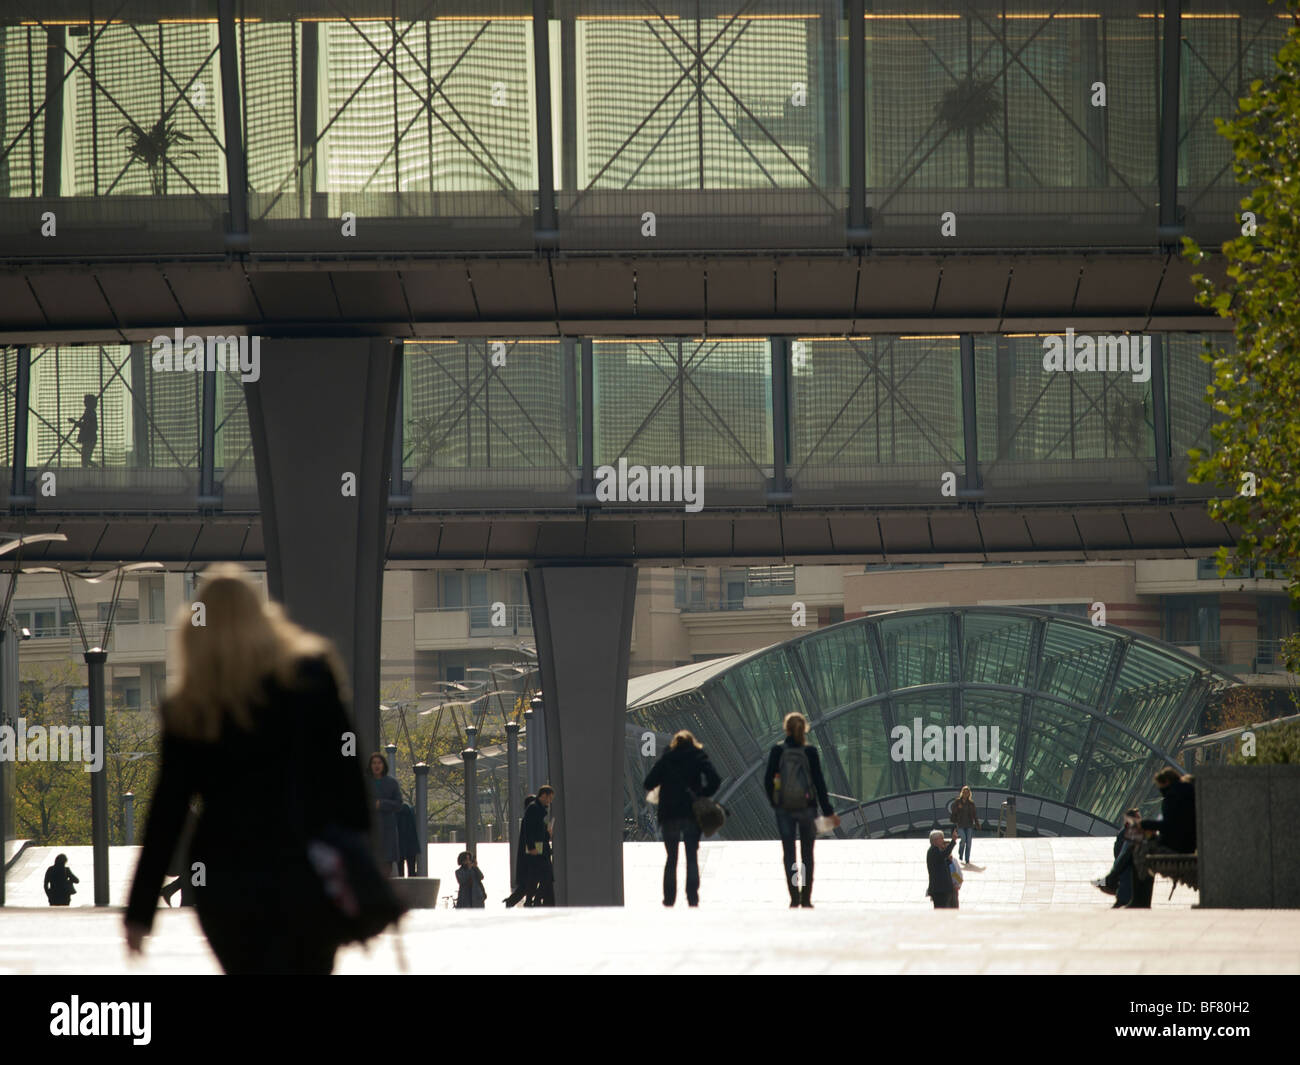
246,686
683,769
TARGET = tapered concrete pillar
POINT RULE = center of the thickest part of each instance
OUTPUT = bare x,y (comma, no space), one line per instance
321,418
582,618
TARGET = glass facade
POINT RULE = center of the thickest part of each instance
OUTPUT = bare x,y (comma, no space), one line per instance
1068,719
618,125
499,422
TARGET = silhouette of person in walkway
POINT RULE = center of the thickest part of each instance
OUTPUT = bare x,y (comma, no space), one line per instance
88,429
247,686
58,882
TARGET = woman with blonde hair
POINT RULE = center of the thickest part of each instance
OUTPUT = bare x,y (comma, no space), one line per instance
795,786
245,686
682,775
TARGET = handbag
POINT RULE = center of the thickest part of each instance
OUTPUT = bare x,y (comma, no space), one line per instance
709,814
353,899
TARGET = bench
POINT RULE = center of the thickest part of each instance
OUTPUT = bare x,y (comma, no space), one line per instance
1180,868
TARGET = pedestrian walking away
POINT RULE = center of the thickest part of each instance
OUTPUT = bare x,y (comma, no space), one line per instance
59,881
941,890
682,774
245,687
525,879
795,787
966,817
537,844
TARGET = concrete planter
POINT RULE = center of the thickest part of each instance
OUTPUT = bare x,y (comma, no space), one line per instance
418,892
1246,820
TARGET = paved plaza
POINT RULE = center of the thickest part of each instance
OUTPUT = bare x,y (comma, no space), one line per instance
1027,907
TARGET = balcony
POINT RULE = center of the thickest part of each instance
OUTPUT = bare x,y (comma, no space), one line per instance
446,628
1243,657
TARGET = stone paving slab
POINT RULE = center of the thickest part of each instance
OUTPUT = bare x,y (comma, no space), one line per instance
1011,875
719,940
1027,907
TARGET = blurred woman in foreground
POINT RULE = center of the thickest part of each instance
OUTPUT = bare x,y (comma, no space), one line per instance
248,687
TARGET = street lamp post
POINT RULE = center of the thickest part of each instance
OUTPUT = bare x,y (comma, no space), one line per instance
512,792
422,817
470,755
9,672
95,657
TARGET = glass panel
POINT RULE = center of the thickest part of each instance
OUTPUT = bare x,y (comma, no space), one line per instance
742,107
1115,771
489,421
861,742
996,649
1190,414
1056,737
390,118
840,666
1062,434
879,415
1226,45
917,650
109,423
1074,661
924,711
116,126
987,711
235,470
994,115
687,403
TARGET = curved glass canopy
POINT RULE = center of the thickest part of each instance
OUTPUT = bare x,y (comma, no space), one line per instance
1070,720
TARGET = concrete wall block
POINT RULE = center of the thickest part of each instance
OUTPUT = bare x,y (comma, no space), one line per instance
1248,857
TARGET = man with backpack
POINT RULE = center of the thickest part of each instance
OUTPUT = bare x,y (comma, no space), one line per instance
796,788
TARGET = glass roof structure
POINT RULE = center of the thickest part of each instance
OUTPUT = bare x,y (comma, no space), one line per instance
1071,720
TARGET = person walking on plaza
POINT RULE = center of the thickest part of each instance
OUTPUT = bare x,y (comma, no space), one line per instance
537,844
246,686
524,878
795,786
58,882
682,774
941,890
966,818
387,801
472,894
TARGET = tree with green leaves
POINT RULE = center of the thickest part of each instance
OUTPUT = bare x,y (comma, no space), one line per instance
1256,389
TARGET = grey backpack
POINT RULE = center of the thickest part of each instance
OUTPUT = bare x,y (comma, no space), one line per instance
797,792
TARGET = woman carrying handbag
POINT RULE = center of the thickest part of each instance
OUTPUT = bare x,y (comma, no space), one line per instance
683,775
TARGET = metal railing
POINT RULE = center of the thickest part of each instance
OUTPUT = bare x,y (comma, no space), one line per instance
1238,656
515,618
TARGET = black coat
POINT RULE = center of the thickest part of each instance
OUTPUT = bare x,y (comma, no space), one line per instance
814,767
249,836
58,885
472,894
521,855
386,791
936,863
1177,821
675,772
535,830
408,839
